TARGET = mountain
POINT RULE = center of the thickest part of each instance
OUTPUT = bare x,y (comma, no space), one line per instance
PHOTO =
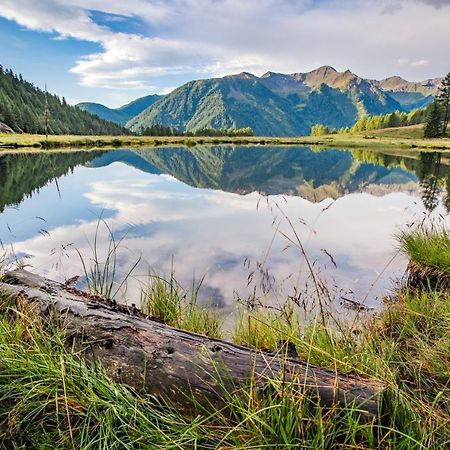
398,84
23,107
282,104
123,114
411,95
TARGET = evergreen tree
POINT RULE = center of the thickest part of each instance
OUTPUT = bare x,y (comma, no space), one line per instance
429,179
23,106
433,125
444,101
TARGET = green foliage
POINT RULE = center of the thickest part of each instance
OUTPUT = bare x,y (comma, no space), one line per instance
444,101
50,399
161,130
23,108
319,130
230,132
433,126
264,329
391,120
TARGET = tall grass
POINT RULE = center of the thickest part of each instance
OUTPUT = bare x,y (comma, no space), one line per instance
408,347
100,270
166,301
428,251
267,329
49,398
428,248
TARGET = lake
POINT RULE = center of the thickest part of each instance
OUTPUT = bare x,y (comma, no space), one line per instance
241,217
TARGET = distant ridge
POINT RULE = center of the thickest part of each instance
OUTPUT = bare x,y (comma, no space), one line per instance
398,84
123,114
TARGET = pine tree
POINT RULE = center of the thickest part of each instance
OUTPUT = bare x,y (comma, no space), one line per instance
444,101
22,107
433,125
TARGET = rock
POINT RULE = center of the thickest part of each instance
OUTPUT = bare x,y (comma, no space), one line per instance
5,128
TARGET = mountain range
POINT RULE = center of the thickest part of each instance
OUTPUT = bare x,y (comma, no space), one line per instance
273,104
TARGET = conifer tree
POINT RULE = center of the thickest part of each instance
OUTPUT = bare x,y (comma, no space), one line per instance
444,101
433,125
22,107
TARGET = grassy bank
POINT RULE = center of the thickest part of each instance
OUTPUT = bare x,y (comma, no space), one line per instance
50,399
406,138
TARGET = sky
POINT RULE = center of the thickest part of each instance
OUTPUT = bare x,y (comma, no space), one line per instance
114,51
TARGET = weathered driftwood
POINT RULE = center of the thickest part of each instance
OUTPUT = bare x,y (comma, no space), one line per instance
176,364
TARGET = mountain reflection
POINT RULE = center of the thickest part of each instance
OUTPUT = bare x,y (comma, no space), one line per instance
298,171
188,206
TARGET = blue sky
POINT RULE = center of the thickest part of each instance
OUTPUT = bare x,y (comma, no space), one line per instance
113,51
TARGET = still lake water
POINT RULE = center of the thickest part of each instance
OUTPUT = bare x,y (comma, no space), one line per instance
220,212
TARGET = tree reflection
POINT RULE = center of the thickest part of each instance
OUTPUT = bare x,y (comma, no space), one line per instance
433,175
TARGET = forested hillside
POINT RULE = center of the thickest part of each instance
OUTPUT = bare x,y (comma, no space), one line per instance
24,108
280,104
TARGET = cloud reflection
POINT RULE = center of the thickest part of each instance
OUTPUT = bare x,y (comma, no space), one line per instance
212,233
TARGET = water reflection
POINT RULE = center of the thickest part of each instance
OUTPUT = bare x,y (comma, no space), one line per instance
199,207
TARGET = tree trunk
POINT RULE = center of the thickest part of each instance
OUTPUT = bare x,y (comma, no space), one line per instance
178,365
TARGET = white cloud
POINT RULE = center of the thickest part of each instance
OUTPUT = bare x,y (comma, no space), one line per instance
166,90
413,63
420,63
202,38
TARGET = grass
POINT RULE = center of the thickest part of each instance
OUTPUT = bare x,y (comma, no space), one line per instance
50,399
409,132
161,299
428,248
404,137
167,302
429,258
267,329
100,272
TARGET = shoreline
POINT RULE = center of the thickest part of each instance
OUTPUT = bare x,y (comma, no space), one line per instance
14,142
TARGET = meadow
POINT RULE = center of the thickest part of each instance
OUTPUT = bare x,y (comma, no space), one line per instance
399,138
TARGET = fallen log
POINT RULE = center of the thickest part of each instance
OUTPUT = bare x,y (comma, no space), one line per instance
177,365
